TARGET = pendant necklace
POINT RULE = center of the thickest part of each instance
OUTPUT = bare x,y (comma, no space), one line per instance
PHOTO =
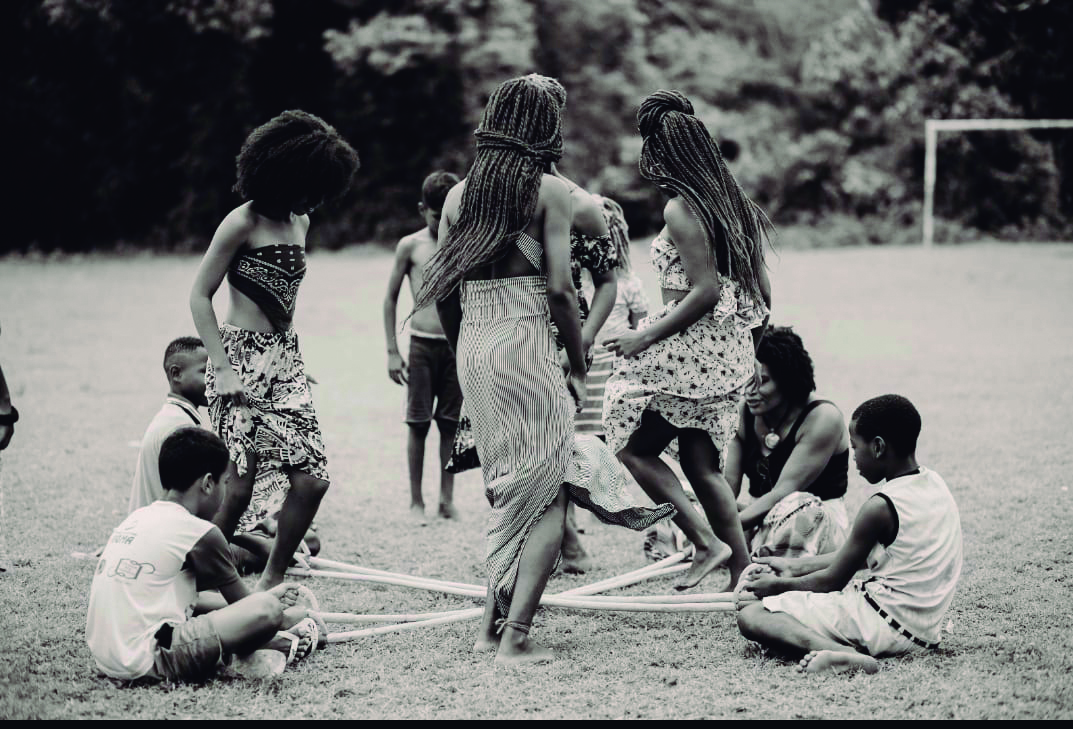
772,439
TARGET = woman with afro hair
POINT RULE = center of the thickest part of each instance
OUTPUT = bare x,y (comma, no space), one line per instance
259,397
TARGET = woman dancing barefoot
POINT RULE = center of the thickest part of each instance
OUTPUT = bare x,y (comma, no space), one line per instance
259,398
686,366
500,278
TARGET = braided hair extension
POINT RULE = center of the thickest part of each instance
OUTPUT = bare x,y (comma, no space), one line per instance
519,136
680,156
619,230
292,161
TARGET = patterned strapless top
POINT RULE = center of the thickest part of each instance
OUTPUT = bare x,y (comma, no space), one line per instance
668,264
733,301
270,276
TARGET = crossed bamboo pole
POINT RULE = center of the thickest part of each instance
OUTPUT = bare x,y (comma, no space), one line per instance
578,598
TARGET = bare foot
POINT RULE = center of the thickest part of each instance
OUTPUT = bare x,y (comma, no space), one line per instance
417,515
448,511
704,563
837,662
486,644
528,653
576,563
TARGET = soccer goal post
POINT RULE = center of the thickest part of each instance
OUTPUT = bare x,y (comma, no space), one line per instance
932,127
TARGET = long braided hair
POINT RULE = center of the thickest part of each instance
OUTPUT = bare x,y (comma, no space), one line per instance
519,136
680,156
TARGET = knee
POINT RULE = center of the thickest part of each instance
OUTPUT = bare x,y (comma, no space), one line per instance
266,609
750,618
419,430
629,458
447,428
309,486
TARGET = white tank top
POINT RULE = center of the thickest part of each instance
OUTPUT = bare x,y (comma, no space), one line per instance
913,579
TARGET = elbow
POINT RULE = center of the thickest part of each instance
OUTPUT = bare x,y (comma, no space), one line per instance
560,295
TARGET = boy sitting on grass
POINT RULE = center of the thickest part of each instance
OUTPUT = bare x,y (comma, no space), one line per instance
908,535
185,359
144,597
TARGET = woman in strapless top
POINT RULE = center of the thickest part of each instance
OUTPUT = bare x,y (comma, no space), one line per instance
686,366
259,398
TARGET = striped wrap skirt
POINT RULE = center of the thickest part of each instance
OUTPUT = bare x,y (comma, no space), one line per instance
523,425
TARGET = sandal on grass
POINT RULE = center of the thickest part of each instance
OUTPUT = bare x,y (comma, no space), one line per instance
306,628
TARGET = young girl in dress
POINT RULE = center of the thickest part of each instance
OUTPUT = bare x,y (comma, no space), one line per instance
686,366
500,279
259,397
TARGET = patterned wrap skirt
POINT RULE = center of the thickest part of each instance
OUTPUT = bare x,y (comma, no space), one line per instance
279,423
523,425
693,379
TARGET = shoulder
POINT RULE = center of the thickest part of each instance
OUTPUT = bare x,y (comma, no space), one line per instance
588,214
824,419
554,193
241,220
679,218
408,242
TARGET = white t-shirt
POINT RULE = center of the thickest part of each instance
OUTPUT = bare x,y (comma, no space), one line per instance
149,574
914,577
176,413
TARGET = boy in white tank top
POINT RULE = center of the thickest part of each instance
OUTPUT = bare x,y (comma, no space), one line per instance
907,535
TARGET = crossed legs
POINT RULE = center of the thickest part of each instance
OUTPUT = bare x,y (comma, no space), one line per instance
785,632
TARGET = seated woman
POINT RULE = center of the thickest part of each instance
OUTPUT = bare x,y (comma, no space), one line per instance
794,448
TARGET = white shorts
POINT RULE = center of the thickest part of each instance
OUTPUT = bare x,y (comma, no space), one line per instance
843,617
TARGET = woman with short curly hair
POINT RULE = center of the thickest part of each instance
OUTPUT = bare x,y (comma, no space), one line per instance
259,397
794,449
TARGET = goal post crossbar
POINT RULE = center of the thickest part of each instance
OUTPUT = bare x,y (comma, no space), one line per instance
932,127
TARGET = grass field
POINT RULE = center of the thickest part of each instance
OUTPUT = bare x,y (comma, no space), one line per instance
979,337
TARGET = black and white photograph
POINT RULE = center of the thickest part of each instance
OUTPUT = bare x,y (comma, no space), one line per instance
536,359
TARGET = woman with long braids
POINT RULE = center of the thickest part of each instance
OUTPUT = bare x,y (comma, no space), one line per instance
259,398
687,365
500,279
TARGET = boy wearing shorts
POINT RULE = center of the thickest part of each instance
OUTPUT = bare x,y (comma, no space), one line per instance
144,620
432,390
908,535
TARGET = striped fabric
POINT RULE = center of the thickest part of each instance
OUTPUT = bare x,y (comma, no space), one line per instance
523,422
591,418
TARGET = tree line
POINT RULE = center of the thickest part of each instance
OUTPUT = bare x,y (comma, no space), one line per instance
124,116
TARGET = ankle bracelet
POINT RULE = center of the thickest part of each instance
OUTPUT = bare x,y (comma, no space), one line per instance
501,625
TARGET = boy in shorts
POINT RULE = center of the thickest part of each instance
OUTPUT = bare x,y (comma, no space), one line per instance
908,535
144,620
430,376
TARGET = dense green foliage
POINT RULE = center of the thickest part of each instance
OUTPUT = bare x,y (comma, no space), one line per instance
124,116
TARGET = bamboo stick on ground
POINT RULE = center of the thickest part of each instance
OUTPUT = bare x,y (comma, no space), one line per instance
412,582
359,619
329,564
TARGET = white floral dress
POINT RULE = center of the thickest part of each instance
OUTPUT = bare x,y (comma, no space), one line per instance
693,378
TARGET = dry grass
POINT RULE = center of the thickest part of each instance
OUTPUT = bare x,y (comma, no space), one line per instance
978,337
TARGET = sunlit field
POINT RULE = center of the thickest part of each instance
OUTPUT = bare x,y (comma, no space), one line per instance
979,337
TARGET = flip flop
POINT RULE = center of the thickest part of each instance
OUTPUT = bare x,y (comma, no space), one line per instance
305,628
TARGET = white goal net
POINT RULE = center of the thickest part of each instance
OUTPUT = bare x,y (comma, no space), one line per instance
932,127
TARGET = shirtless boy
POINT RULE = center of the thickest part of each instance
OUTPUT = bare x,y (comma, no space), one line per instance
430,376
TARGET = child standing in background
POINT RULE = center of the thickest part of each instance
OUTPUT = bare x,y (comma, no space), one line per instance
431,375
